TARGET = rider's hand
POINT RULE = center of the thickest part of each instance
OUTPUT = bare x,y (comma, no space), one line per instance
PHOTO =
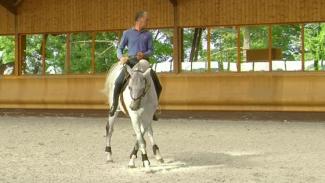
140,55
123,60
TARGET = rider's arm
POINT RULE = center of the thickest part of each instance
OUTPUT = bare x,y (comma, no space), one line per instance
122,45
149,52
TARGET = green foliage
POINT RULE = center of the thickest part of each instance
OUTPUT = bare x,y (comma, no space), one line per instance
223,47
188,36
33,56
163,47
55,54
81,44
224,44
258,37
7,47
315,45
105,55
288,38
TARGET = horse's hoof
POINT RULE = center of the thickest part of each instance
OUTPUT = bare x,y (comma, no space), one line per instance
161,160
148,170
131,166
109,161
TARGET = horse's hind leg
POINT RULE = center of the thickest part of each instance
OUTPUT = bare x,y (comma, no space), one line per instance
155,147
109,132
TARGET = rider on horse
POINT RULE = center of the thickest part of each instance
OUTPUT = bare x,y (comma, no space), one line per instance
140,46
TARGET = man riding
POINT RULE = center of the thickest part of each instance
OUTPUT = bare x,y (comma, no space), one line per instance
140,46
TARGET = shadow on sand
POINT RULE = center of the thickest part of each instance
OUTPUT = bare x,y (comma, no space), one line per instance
203,160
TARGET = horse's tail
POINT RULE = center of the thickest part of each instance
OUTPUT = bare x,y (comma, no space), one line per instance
110,79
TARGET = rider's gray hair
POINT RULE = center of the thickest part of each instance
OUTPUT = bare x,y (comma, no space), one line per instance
139,15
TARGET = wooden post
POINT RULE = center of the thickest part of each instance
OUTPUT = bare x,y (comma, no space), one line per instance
177,41
21,54
209,49
68,54
44,53
93,52
20,46
17,68
238,50
17,60
270,48
303,47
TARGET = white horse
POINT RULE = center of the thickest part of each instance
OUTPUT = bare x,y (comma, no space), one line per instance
138,100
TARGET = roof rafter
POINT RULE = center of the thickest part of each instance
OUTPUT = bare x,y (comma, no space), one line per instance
10,5
174,2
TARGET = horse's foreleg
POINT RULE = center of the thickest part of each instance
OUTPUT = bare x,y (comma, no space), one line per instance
134,155
155,147
141,142
109,132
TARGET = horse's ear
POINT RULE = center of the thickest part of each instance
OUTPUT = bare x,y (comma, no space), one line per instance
128,69
147,73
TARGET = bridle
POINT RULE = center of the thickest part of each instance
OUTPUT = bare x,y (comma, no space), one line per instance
145,91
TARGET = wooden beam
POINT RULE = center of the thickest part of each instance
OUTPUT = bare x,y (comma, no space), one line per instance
174,2
238,49
270,45
10,7
68,54
21,55
17,3
177,42
17,67
303,47
93,53
44,40
209,49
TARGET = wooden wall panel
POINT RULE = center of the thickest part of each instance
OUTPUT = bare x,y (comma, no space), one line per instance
36,16
243,12
7,21
228,91
84,15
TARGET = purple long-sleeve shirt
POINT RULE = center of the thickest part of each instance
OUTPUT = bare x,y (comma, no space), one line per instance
136,41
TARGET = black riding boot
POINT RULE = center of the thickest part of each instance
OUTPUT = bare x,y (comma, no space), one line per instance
158,88
117,90
156,82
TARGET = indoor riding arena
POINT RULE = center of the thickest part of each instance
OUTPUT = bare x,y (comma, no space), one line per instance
242,100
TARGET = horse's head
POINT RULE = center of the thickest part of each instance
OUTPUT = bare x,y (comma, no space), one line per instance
138,86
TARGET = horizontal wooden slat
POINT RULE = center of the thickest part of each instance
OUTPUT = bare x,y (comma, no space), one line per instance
36,16
84,15
7,21
229,91
246,12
